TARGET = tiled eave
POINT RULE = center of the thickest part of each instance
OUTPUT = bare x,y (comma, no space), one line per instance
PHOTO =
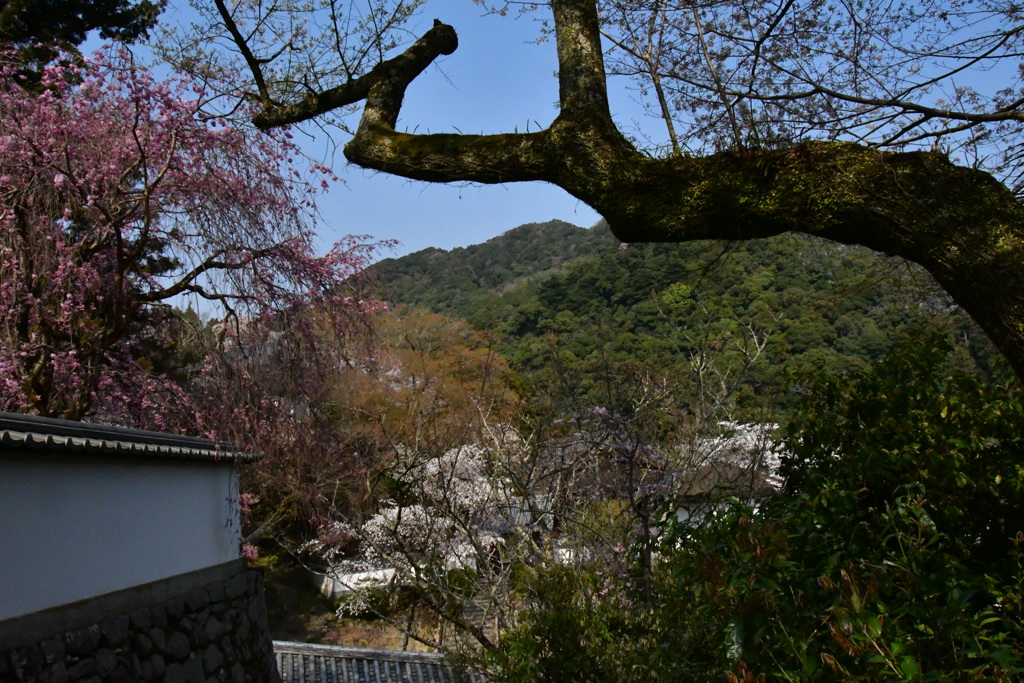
28,432
305,662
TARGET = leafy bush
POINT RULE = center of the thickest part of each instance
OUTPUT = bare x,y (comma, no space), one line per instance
569,633
896,552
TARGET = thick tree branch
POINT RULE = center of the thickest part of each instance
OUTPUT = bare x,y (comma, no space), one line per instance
439,40
962,225
446,158
582,89
583,135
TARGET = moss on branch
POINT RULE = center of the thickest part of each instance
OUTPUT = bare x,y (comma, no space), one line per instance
960,224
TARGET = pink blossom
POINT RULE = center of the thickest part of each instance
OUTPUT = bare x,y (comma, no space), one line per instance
121,195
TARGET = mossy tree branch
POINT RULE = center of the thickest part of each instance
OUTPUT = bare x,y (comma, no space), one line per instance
962,225
439,40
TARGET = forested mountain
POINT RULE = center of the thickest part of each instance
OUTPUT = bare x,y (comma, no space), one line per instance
576,309
458,283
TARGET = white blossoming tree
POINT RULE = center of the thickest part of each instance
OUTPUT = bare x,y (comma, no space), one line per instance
454,540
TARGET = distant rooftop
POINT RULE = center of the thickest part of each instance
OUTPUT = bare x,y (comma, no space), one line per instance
334,664
29,432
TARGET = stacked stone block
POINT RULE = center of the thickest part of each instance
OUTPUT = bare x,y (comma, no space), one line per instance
212,632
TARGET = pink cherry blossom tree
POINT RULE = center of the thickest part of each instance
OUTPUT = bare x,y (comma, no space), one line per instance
119,195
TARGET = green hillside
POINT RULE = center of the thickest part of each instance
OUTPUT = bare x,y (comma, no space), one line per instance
460,282
579,314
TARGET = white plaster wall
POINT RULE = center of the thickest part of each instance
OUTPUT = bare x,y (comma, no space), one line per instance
74,527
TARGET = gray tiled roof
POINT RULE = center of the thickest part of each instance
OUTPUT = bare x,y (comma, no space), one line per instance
308,663
29,432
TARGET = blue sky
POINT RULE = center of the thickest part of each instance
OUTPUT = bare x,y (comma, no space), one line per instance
498,80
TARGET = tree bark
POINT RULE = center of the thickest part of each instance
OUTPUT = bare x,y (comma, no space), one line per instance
962,225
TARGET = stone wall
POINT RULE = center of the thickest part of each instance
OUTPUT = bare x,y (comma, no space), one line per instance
204,626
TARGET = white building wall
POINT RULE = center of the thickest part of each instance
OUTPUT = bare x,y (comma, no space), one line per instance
74,527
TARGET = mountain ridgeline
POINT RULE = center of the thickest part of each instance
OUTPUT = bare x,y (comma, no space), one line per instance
578,314
461,282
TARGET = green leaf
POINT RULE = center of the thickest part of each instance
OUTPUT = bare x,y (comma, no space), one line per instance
873,626
910,667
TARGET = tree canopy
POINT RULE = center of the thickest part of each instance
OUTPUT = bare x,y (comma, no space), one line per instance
118,193
850,122
39,27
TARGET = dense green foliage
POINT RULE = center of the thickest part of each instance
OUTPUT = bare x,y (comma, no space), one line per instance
742,319
463,282
40,27
895,553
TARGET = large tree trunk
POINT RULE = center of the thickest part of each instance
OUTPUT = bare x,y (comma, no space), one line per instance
962,225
